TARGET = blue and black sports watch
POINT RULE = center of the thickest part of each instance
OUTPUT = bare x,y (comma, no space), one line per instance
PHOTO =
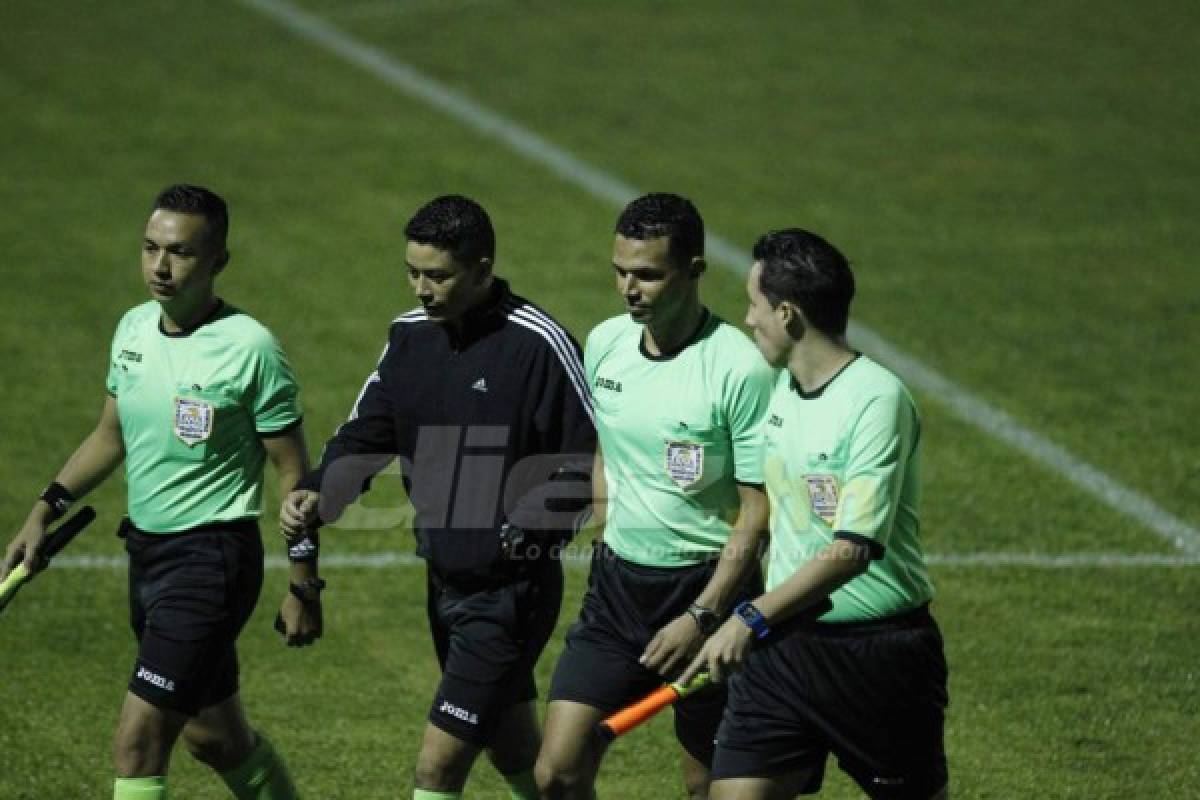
752,618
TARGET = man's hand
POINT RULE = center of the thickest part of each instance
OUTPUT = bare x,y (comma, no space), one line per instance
25,547
301,620
299,512
723,653
672,646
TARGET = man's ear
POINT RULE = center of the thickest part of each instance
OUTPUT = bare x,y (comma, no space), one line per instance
793,321
696,267
484,265
221,261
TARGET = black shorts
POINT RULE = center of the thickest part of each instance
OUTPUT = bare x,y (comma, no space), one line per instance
873,695
488,640
190,594
626,604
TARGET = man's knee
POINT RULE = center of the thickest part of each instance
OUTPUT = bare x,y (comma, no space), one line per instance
140,750
444,762
220,752
557,780
697,789
144,738
516,741
696,779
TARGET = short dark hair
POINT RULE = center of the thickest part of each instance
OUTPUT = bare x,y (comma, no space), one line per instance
184,198
456,224
804,269
662,214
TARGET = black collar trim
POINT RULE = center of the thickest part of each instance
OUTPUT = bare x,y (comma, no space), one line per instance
184,333
815,393
482,319
691,339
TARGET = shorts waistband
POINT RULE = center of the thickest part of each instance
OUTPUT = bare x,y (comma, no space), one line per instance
247,526
504,574
916,618
602,550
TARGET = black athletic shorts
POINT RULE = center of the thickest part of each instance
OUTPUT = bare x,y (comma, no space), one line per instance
488,639
872,694
625,605
190,593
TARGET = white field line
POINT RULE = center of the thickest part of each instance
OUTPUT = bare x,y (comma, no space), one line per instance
376,9
391,559
960,402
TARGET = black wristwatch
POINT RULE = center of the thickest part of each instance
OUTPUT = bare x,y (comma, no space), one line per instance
707,620
309,591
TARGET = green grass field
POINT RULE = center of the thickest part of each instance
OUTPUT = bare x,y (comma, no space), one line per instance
1016,185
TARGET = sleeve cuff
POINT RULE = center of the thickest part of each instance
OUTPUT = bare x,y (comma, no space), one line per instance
286,429
310,482
874,548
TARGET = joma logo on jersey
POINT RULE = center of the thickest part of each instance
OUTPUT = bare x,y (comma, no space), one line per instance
155,679
605,383
129,355
775,421
459,713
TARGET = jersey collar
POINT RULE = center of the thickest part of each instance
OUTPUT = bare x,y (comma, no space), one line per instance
483,318
667,356
217,311
817,392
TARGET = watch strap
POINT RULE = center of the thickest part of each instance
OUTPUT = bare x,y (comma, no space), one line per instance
309,591
753,619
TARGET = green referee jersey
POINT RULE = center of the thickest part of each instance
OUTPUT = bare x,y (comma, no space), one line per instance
846,459
192,408
678,432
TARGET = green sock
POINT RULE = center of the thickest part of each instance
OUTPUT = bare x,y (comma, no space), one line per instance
425,794
153,788
262,776
522,786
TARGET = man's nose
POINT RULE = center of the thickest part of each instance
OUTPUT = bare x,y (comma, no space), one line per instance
161,265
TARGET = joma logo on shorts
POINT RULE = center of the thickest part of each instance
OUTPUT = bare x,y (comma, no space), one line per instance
155,680
459,713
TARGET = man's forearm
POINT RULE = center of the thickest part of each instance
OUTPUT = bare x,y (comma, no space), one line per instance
742,553
834,565
93,461
301,572
739,558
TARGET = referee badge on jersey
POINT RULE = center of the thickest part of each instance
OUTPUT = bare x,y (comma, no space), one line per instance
823,496
685,463
193,420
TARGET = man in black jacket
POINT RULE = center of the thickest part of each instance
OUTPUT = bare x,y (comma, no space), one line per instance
482,396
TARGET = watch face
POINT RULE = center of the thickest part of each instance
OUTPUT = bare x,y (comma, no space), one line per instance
706,620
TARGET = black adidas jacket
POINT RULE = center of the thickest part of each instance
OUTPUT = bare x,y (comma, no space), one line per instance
491,425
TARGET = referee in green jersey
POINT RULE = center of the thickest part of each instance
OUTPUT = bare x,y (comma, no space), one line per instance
679,397
200,397
867,680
